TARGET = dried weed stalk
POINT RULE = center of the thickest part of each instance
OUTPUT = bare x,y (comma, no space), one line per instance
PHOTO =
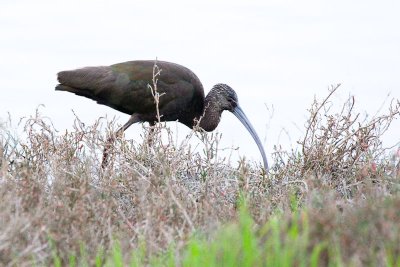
339,148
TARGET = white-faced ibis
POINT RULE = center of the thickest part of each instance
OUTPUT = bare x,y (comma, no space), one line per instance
124,87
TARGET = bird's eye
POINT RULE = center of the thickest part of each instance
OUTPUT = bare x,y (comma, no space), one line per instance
232,102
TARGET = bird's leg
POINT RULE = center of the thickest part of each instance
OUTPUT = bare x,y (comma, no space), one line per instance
110,140
150,137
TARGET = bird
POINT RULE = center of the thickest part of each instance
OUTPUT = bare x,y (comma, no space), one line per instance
125,87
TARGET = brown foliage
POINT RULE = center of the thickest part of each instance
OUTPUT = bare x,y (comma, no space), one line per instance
56,197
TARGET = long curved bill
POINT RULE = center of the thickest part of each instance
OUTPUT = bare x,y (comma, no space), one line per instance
238,112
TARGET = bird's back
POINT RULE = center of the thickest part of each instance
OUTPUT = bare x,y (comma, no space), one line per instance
124,87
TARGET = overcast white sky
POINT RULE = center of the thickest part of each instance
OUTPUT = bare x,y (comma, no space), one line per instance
274,53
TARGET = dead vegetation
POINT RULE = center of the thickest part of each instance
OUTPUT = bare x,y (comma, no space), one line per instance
340,149
56,198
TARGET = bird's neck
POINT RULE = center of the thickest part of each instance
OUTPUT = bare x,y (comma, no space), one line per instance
211,115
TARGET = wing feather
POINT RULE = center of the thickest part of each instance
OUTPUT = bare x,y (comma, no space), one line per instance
124,87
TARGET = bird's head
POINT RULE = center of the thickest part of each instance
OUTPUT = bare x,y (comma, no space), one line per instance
225,97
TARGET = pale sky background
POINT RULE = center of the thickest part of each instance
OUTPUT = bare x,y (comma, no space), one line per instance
273,53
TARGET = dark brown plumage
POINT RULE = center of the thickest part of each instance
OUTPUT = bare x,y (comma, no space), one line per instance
124,87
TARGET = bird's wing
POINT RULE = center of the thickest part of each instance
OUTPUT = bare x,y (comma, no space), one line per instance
125,86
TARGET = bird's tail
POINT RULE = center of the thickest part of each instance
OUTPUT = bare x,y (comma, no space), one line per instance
81,92
90,82
61,87
94,78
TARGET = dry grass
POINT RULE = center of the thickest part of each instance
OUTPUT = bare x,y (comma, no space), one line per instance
56,199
